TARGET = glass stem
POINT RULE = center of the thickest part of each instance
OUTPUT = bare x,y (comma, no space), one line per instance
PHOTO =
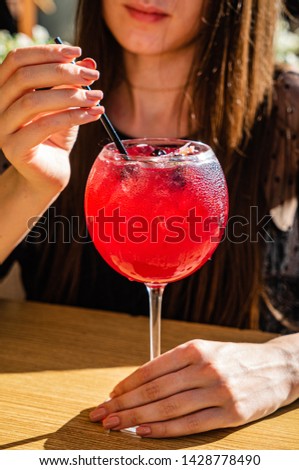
155,294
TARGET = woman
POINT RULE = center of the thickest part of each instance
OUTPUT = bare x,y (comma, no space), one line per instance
171,68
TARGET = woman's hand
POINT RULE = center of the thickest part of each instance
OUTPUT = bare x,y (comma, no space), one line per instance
41,105
199,386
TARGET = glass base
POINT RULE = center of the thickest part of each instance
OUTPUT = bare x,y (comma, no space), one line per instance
131,432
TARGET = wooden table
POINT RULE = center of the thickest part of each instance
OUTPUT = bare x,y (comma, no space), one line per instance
57,363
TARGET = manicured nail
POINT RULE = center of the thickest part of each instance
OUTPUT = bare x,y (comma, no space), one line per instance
89,74
96,111
98,414
111,422
71,51
144,431
94,95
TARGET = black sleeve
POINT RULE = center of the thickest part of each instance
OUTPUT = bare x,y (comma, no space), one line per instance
280,306
6,266
280,296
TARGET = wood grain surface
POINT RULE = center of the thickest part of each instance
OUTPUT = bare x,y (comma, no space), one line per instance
57,363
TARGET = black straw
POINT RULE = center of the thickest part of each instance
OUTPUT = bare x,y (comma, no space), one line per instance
106,122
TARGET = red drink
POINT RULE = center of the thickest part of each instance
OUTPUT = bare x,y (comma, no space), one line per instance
156,219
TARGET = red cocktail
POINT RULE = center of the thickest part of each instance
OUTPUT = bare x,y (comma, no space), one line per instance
157,216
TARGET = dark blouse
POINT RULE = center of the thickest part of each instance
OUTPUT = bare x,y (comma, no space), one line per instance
279,310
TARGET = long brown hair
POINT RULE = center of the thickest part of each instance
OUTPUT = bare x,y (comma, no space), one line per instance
232,85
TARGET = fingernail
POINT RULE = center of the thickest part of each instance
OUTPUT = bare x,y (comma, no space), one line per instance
143,430
71,51
89,74
95,111
98,414
112,395
94,95
111,422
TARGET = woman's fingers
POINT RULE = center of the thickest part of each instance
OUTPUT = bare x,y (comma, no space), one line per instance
38,131
201,421
235,384
36,55
189,378
171,361
175,406
42,102
18,112
48,101
44,76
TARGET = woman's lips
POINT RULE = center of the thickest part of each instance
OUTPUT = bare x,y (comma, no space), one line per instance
146,16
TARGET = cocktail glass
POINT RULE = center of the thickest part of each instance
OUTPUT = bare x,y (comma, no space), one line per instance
157,215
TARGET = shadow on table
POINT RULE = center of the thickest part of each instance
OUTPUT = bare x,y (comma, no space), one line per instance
81,434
